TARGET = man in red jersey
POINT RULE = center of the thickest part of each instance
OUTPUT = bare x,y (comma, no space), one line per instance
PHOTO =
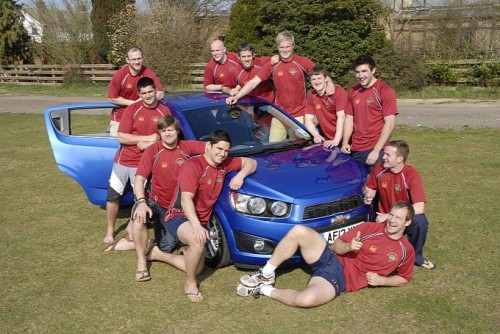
289,80
160,164
327,108
200,183
370,114
396,180
219,71
251,66
137,130
370,254
123,86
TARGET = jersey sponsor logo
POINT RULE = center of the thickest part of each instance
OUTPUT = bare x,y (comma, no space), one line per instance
397,188
373,248
218,179
164,164
392,257
179,162
357,101
384,185
369,101
292,71
280,73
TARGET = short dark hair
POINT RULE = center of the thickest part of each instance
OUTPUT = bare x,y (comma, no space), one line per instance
167,121
218,136
402,148
145,82
364,60
318,70
245,47
410,211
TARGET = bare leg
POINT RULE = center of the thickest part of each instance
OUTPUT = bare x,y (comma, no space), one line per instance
310,243
193,256
141,236
311,246
112,208
175,260
318,292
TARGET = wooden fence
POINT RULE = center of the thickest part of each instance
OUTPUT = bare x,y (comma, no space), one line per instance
102,73
54,74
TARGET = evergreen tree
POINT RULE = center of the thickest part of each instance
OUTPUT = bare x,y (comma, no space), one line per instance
330,32
14,39
102,11
243,24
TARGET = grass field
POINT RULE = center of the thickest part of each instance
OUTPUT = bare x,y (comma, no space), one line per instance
55,279
431,92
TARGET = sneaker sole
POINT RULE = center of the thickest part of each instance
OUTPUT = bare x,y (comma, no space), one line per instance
251,285
243,291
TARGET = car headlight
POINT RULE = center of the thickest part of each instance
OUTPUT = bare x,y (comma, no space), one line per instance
258,206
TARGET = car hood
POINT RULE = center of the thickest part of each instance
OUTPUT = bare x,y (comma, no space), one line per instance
318,169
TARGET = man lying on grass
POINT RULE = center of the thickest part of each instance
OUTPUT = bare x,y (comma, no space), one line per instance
371,254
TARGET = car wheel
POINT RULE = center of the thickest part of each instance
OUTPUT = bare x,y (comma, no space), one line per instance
217,253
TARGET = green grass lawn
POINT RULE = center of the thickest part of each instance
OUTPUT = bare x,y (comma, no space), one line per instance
56,279
96,90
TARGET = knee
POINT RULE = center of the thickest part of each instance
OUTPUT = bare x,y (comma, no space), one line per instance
306,300
299,231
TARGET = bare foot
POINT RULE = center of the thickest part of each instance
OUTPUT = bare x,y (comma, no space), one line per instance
108,238
122,244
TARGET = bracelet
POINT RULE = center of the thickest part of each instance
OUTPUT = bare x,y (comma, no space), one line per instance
140,201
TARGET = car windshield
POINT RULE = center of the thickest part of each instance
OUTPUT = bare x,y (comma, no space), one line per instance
248,125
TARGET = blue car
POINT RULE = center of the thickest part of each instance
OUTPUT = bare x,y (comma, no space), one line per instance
296,181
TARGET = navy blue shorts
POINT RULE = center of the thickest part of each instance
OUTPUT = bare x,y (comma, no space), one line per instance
329,267
172,227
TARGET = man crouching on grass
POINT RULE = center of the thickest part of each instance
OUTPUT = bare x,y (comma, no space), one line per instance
371,254
200,183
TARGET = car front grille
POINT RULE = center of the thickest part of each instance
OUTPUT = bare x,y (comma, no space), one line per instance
330,208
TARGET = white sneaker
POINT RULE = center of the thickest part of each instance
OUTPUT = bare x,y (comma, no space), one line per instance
256,279
245,291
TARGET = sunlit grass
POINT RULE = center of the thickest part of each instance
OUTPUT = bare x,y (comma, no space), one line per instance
55,279
96,90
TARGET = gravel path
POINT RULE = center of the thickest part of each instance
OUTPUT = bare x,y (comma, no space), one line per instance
429,113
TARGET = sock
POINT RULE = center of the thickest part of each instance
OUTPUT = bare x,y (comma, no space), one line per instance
268,270
266,290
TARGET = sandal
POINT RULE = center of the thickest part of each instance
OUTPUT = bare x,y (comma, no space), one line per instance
144,275
195,297
427,264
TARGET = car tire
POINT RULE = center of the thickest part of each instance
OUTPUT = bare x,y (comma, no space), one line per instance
217,252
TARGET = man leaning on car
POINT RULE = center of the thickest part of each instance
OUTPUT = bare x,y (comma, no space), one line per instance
138,129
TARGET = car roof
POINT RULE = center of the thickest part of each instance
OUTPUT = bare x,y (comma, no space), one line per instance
194,100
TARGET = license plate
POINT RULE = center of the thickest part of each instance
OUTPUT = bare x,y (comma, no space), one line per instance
330,236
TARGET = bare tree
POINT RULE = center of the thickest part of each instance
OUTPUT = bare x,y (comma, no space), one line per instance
67,32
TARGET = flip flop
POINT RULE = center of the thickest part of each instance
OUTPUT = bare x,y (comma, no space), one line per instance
427,265
193,295
144,275
112,245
